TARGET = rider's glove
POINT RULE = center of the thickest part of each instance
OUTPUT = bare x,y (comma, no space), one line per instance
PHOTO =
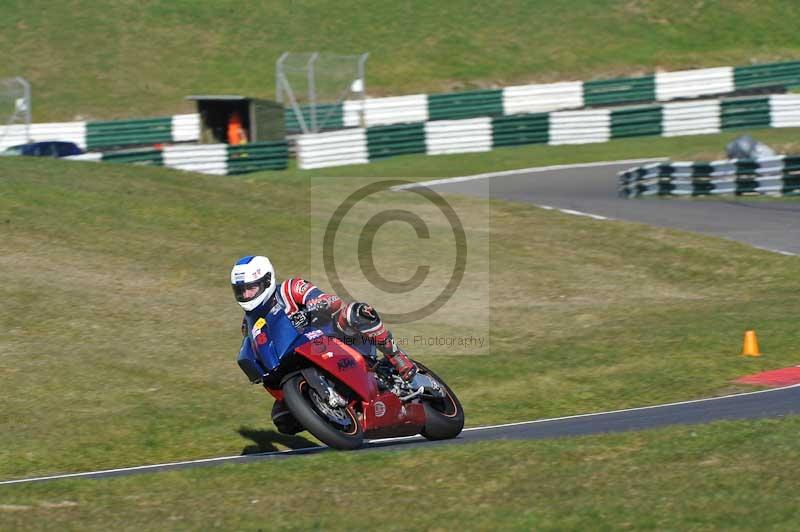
299,319
322,308
367,311
404,366
318,306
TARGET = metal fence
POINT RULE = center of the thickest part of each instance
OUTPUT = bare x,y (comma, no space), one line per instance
15,106
313,85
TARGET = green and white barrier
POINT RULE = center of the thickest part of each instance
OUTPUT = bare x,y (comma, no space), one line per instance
108,134
580,127
548,97
65,131
772,175
690,118
393,110
694,83
533,98
362,145
542,97
458,136
338,148
216,159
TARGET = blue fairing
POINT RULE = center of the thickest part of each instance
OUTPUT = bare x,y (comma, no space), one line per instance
280,338
248,363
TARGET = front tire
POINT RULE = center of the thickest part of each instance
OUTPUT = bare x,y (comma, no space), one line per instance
444,419
336,427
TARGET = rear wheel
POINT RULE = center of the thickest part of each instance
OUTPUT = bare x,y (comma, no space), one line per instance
337,427
444,418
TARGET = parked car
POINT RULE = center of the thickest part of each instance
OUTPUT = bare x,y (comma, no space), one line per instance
48,148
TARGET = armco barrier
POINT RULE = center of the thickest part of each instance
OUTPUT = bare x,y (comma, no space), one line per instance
541,98
218,159
109,134
694,83
458,105
392,110
65,131
113,133
458,136
258,156
145,156
533,98
773,175
521,129
784,111
659,87
636,122
690,118
203,158
767,75
747,112
580,127
332,149
119,133
185,128
622,90
362,145
387,141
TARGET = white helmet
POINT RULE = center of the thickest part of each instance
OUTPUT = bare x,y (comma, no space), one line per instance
253,281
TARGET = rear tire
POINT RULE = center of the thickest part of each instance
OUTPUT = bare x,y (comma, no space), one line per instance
443,419
340,432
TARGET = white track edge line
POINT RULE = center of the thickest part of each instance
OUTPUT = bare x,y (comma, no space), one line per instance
787,253
386,440
638,408
154,466
574,212
536,169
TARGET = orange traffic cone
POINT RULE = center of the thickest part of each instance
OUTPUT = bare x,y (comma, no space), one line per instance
750,348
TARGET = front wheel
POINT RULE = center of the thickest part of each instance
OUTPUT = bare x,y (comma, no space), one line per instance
444,418
336,427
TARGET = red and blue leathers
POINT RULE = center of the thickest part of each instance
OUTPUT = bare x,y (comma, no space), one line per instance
301,300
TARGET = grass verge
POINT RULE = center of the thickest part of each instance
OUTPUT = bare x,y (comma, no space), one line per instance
122,333
723,476
688,148
92,60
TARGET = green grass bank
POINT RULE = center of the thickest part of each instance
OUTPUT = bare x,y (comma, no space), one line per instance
723,476
122,332
93,60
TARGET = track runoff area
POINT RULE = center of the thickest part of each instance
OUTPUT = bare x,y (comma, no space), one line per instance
582,190
753,405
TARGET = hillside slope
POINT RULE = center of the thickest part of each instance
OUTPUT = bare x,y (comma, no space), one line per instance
95,60
121,331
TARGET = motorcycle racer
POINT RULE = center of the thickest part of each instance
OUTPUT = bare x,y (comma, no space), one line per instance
256,289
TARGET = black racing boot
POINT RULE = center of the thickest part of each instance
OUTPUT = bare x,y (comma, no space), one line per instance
284,420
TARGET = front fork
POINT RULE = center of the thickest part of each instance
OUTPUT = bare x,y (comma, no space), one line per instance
323,388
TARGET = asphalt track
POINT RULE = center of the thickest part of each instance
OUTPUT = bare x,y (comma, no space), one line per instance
590,190
768,403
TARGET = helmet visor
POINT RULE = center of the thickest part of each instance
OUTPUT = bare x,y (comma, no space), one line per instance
244,292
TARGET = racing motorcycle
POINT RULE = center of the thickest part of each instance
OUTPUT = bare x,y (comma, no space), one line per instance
337,390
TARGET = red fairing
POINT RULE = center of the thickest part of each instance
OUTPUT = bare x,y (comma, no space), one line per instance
382,414
277,394
387,416
343,362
